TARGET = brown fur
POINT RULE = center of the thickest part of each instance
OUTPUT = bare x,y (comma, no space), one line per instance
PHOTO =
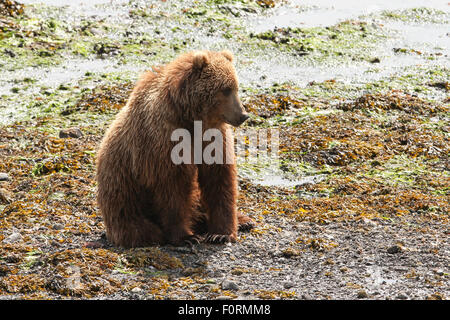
143,196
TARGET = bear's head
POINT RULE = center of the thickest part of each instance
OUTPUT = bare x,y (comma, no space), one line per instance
204,85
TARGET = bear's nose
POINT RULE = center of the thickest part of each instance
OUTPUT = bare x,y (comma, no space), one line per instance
244,117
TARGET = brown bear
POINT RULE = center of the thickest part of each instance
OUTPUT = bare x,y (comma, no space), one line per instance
144,197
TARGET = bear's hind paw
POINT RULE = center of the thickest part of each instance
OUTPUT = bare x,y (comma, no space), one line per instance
245,222
247,226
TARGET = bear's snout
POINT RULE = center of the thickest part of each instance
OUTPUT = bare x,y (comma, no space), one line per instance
244,117
236,116
238,119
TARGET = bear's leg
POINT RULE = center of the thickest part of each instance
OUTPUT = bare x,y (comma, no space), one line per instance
176,202
177,225
129,230
126,226
218,187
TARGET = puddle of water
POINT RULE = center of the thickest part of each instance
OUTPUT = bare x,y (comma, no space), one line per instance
377,277
270,173
52,77
72,3
277,180
266,73
100,8
423,35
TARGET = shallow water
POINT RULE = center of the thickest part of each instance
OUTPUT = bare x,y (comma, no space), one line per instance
313,13
276,66
377,278
278,180
426,37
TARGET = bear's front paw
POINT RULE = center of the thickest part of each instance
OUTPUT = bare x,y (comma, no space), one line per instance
193,240
219,238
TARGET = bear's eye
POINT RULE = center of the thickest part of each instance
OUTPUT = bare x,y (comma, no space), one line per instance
226,91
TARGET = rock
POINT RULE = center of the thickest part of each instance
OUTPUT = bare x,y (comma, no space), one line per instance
237,272
136,290
70,133
58,226
229,285
10,53
4,176
13,238
182,249
436,296
93,245
288,285
55,243
368,222
394,249
401,296
439,272
95,31
362,294
5,196
224,298
12,258
290,252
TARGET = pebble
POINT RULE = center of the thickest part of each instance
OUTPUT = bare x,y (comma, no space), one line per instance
58,226
4,176
368,222
5,196
182,249
439,272
70,133
394,249
375,60
10,53
290,252
12,238
237,272
229,285
93,244
288,285
362,294
55,243
224,298
401,296
136,289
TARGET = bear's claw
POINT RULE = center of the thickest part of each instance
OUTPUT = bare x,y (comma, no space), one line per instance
247,226
193,240
218,238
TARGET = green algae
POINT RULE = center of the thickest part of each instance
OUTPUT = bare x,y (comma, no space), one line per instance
420,14
403,170
348,40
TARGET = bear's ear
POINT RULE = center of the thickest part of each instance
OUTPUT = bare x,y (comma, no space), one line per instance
200,60
227,54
